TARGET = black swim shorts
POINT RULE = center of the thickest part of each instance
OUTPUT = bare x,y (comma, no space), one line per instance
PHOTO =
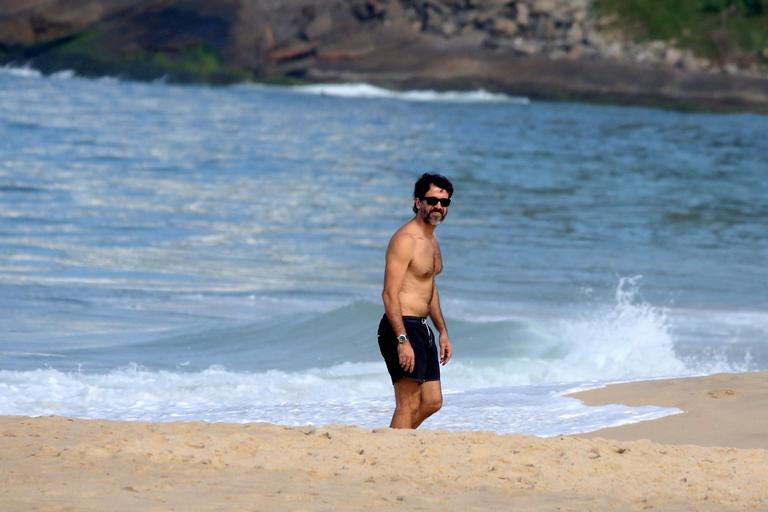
427,366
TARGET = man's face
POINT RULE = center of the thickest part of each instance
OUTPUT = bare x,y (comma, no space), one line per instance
433,214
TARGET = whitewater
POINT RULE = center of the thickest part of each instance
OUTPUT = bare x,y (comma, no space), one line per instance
198,253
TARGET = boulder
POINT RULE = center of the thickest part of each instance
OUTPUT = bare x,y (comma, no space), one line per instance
504,27
673,56
544,7
575,34
522,14
545,28
527,46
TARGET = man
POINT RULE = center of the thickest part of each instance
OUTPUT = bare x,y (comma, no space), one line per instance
410,296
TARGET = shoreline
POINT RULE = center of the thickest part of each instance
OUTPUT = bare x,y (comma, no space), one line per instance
55,463
726,409
555,50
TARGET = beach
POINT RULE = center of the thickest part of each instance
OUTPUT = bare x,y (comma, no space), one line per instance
192,275
56,463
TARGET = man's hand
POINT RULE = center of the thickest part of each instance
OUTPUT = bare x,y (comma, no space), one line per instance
406,356
446,350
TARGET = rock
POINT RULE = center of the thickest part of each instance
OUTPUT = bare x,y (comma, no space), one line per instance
527,46
341,54
606,21
449,28
505,27
544,7
643,56
575,34
545,28
594,38
522,15
508,45
368,9
673,56
557,53
16,31
614,50
575,53
321,25
40,22
296,50
691,63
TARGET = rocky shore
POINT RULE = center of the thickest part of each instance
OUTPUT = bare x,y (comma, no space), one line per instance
553,49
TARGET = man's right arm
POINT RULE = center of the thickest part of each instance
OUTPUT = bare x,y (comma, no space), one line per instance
399,254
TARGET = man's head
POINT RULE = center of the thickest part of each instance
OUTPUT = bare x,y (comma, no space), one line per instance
431,197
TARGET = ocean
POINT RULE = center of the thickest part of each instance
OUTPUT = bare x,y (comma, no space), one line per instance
175,253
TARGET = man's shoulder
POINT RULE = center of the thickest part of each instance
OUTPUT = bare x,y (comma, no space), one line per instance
404,238
408,232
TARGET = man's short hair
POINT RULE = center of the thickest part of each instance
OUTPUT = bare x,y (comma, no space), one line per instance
427,179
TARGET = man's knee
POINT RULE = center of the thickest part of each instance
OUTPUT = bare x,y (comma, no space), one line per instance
432,405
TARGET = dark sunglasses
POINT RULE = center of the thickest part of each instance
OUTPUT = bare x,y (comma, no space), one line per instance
432,201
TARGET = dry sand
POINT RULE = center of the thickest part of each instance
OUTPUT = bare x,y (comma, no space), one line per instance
63,464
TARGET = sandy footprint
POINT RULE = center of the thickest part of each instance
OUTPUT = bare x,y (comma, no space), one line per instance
721,393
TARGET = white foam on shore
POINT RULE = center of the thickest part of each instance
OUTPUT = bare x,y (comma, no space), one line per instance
358,394
368,91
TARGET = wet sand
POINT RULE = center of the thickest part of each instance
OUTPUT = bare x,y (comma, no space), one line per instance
719,410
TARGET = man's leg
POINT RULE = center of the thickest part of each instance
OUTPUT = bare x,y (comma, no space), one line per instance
407,403
431,401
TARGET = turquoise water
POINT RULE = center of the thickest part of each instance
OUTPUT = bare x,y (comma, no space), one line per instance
217,253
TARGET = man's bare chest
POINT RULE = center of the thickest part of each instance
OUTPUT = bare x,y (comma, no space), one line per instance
427,260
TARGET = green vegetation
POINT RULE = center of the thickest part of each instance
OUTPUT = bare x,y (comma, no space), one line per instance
195,63
90,56
723,30
282,80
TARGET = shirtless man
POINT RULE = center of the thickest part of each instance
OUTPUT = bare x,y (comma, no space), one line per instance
410,295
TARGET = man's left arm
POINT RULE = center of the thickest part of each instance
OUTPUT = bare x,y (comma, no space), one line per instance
436,314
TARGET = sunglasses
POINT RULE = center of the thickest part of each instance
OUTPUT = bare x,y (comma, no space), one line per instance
432,201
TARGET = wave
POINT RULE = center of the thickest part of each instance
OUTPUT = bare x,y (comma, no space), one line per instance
65,74
509,374
20,71
26,71
368,91
628,338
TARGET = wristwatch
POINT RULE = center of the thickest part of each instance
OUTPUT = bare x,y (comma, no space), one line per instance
402,339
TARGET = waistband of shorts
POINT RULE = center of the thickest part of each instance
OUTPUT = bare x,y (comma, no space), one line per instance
409,318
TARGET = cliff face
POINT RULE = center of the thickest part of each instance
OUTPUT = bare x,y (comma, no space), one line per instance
538,48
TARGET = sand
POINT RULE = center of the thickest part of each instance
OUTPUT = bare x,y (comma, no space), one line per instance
56,463
720,410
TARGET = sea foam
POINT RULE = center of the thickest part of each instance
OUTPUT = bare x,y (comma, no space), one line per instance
349,394
371,91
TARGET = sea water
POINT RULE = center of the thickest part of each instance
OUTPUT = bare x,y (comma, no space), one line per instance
216,253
